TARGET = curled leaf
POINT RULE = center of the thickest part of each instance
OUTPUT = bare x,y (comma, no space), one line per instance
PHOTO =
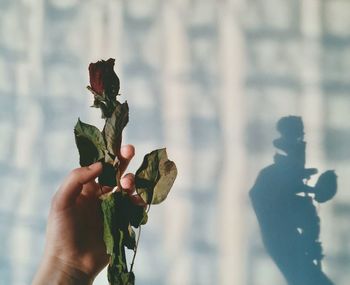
109,209
90,143
114,126
155,177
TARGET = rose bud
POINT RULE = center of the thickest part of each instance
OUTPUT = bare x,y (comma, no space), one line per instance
103,79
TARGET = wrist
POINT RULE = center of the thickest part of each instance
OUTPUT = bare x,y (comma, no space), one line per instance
54,271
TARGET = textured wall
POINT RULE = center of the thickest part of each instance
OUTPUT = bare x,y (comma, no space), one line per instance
208,79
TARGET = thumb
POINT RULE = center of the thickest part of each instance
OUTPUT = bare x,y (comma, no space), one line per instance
73,184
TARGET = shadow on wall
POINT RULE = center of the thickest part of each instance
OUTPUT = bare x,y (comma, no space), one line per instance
285,207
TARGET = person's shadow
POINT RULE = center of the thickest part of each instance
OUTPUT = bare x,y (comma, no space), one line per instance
285,207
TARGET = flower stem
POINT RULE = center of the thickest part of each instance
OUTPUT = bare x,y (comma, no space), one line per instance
137,242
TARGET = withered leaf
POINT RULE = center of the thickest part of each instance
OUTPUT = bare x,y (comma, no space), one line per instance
119,215
116,235
127,278
137,215
155,177
114,126
90,143
129,238
108,175
109,209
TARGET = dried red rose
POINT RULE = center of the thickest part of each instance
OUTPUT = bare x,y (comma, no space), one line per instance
103,79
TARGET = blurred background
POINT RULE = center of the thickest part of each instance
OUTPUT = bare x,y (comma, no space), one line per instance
208,79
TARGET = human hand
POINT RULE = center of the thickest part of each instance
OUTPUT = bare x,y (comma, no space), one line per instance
75,251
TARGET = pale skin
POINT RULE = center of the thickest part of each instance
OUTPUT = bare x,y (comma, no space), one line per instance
75,252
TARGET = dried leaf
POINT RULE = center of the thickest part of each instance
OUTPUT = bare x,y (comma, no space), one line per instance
137,215
155,177
108,175
117,209
116,235
90,143
109,209
114,126
129,238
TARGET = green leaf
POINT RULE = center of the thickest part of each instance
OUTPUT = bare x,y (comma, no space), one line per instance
90,143
155,177
114,126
